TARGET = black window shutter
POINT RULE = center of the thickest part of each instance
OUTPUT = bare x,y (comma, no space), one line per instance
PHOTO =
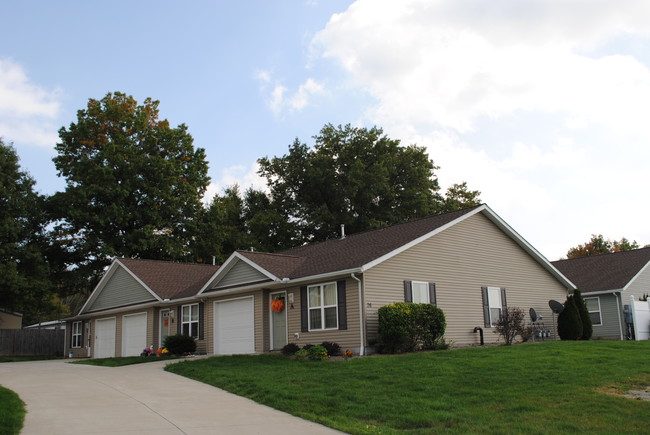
408,292
432,294
201,319
343,315
304,315
486,307
504,304
179,320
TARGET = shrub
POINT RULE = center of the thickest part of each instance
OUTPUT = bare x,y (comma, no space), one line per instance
301,354
510,324
583,312
180,344
569,325
317,353
290,349
332,348
308,346
405,326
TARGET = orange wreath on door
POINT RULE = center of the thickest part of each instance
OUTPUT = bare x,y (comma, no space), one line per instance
277,305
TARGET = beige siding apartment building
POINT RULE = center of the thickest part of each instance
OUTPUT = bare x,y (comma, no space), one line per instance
469,263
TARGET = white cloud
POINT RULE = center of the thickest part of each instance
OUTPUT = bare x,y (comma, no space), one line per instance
538,104
280,100
27,110
244,177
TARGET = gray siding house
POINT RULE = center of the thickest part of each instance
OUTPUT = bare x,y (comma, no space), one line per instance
470,263
607,282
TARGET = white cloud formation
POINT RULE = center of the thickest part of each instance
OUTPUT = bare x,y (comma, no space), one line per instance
281,100
537,104
244,177
27,110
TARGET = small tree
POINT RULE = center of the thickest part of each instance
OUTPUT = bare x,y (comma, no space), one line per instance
569,325
583,312
510,324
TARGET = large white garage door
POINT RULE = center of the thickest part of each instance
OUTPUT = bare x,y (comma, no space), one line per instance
234,328
134,334
104,338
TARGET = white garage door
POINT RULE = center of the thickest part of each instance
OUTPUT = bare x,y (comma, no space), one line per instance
234,329
134,334
104,338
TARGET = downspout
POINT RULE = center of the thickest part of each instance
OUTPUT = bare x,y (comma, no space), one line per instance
619,308
362,348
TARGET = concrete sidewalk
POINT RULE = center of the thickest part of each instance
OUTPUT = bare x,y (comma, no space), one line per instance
67,398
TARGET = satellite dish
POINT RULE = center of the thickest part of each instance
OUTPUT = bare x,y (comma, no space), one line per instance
534,316
556,306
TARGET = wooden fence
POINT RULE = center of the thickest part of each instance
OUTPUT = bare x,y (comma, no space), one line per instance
27,342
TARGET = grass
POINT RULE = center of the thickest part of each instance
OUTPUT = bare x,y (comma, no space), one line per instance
122,361
4,359
12,412
553,387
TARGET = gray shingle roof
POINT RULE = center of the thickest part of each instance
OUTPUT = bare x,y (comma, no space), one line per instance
170,280
351,252
604,272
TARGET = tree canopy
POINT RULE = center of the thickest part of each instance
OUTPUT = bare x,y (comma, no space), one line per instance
133,185
598,245
358,177
24,272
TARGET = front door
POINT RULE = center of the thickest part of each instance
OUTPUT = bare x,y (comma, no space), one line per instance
165,325
278,320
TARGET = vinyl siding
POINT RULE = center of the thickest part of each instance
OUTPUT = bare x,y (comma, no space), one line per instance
472,254
122,289
610,328
348,338
241,273
639,286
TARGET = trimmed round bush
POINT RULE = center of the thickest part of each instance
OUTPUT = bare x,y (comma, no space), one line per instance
180,344
405,326
290,349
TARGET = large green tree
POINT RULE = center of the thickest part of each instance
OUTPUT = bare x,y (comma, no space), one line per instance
133,185
25,284
353,176
598,245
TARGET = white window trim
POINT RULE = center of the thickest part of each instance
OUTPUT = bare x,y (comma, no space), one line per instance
77,325
322,307
427,296
493,322
599,311
197,321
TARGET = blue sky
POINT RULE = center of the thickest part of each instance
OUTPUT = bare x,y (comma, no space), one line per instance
542,105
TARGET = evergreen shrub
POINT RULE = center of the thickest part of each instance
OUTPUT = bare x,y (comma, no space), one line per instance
180,344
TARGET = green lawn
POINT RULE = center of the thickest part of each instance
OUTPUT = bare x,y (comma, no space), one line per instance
554,387
122,361
12,412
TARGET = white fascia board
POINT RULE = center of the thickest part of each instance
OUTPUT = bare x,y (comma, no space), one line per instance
643,269
496,219
420,239
322,276
100,286
229,263
600,292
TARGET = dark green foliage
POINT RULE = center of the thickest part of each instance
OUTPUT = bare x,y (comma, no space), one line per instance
332,348
581,305
133,186
317,353
569,325
180,344
307,346
290,349
25,284
358,177
404,327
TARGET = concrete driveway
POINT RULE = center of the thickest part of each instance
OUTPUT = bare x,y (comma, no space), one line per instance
67,398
